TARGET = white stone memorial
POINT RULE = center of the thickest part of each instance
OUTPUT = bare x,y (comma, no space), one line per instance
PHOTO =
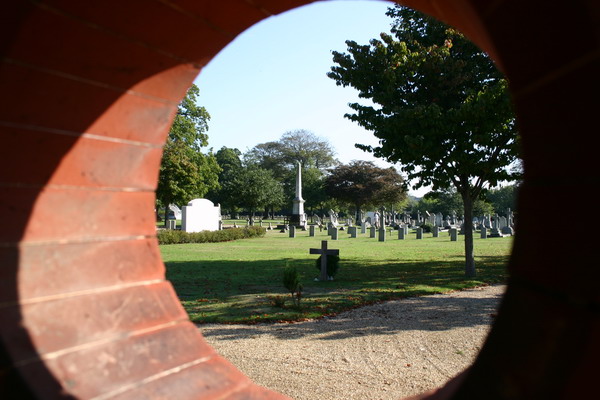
201,215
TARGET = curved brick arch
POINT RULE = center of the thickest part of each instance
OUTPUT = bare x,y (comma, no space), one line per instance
88,93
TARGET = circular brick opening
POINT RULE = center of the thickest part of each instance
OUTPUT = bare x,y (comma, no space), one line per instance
89,93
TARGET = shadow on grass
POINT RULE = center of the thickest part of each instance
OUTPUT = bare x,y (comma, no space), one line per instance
241,291
428,313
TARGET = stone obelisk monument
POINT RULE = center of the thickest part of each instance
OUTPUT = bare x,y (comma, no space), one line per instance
298,218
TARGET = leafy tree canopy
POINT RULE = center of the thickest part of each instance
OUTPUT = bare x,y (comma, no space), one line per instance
450,202
362,183
503,198
229,179
294,146
185,172
439,107
258,189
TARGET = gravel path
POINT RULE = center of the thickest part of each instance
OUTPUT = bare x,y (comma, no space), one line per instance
385,351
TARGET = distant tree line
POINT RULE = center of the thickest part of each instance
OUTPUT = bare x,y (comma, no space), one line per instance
262,181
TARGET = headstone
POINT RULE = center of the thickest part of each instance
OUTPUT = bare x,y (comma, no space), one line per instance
352,231
333,219
200,215
311,231
324,252
447,224
270,227
177,211
363,228
292,231
435,231
401,233
483,232
453,234
171,224
495,231
334,234
377,220
505,225
508,230
382,235
487,222
419,233
373,232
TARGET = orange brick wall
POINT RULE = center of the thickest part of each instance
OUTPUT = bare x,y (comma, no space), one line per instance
88,93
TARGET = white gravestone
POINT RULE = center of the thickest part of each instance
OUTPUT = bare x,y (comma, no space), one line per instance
176,211
201,215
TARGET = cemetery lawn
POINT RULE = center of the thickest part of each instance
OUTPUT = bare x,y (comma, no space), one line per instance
241,281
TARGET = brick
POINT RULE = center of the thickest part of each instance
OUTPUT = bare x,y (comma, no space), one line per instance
277,6
112,60
212,379
75,215
93,371
9,265
461,15
528,35
203,36
53,269
15,207
226,22
63,104
553,261
86,162
556,121
65,323
534,345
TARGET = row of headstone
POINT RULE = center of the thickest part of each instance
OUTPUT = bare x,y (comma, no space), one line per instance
381,233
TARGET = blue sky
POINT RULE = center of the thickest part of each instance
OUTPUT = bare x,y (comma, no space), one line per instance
272,78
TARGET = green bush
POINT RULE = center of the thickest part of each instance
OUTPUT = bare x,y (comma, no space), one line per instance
277,301
168,236
427,228
291,281
333,263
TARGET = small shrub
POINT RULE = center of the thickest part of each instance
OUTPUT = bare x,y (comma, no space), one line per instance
427,228
333,263
168,236
277,301
291,281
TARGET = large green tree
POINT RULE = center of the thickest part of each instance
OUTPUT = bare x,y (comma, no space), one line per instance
448,202
229,179
503,198
362,183
185,172
281,157
441,108
259,190
296,146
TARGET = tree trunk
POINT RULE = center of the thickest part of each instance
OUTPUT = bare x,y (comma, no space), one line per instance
468,228
166,215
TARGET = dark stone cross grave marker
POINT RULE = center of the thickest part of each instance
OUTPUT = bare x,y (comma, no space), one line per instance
324,252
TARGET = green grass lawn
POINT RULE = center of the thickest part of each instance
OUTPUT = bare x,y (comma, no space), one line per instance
237,282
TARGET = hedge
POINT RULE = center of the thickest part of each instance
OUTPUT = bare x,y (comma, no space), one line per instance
169,236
